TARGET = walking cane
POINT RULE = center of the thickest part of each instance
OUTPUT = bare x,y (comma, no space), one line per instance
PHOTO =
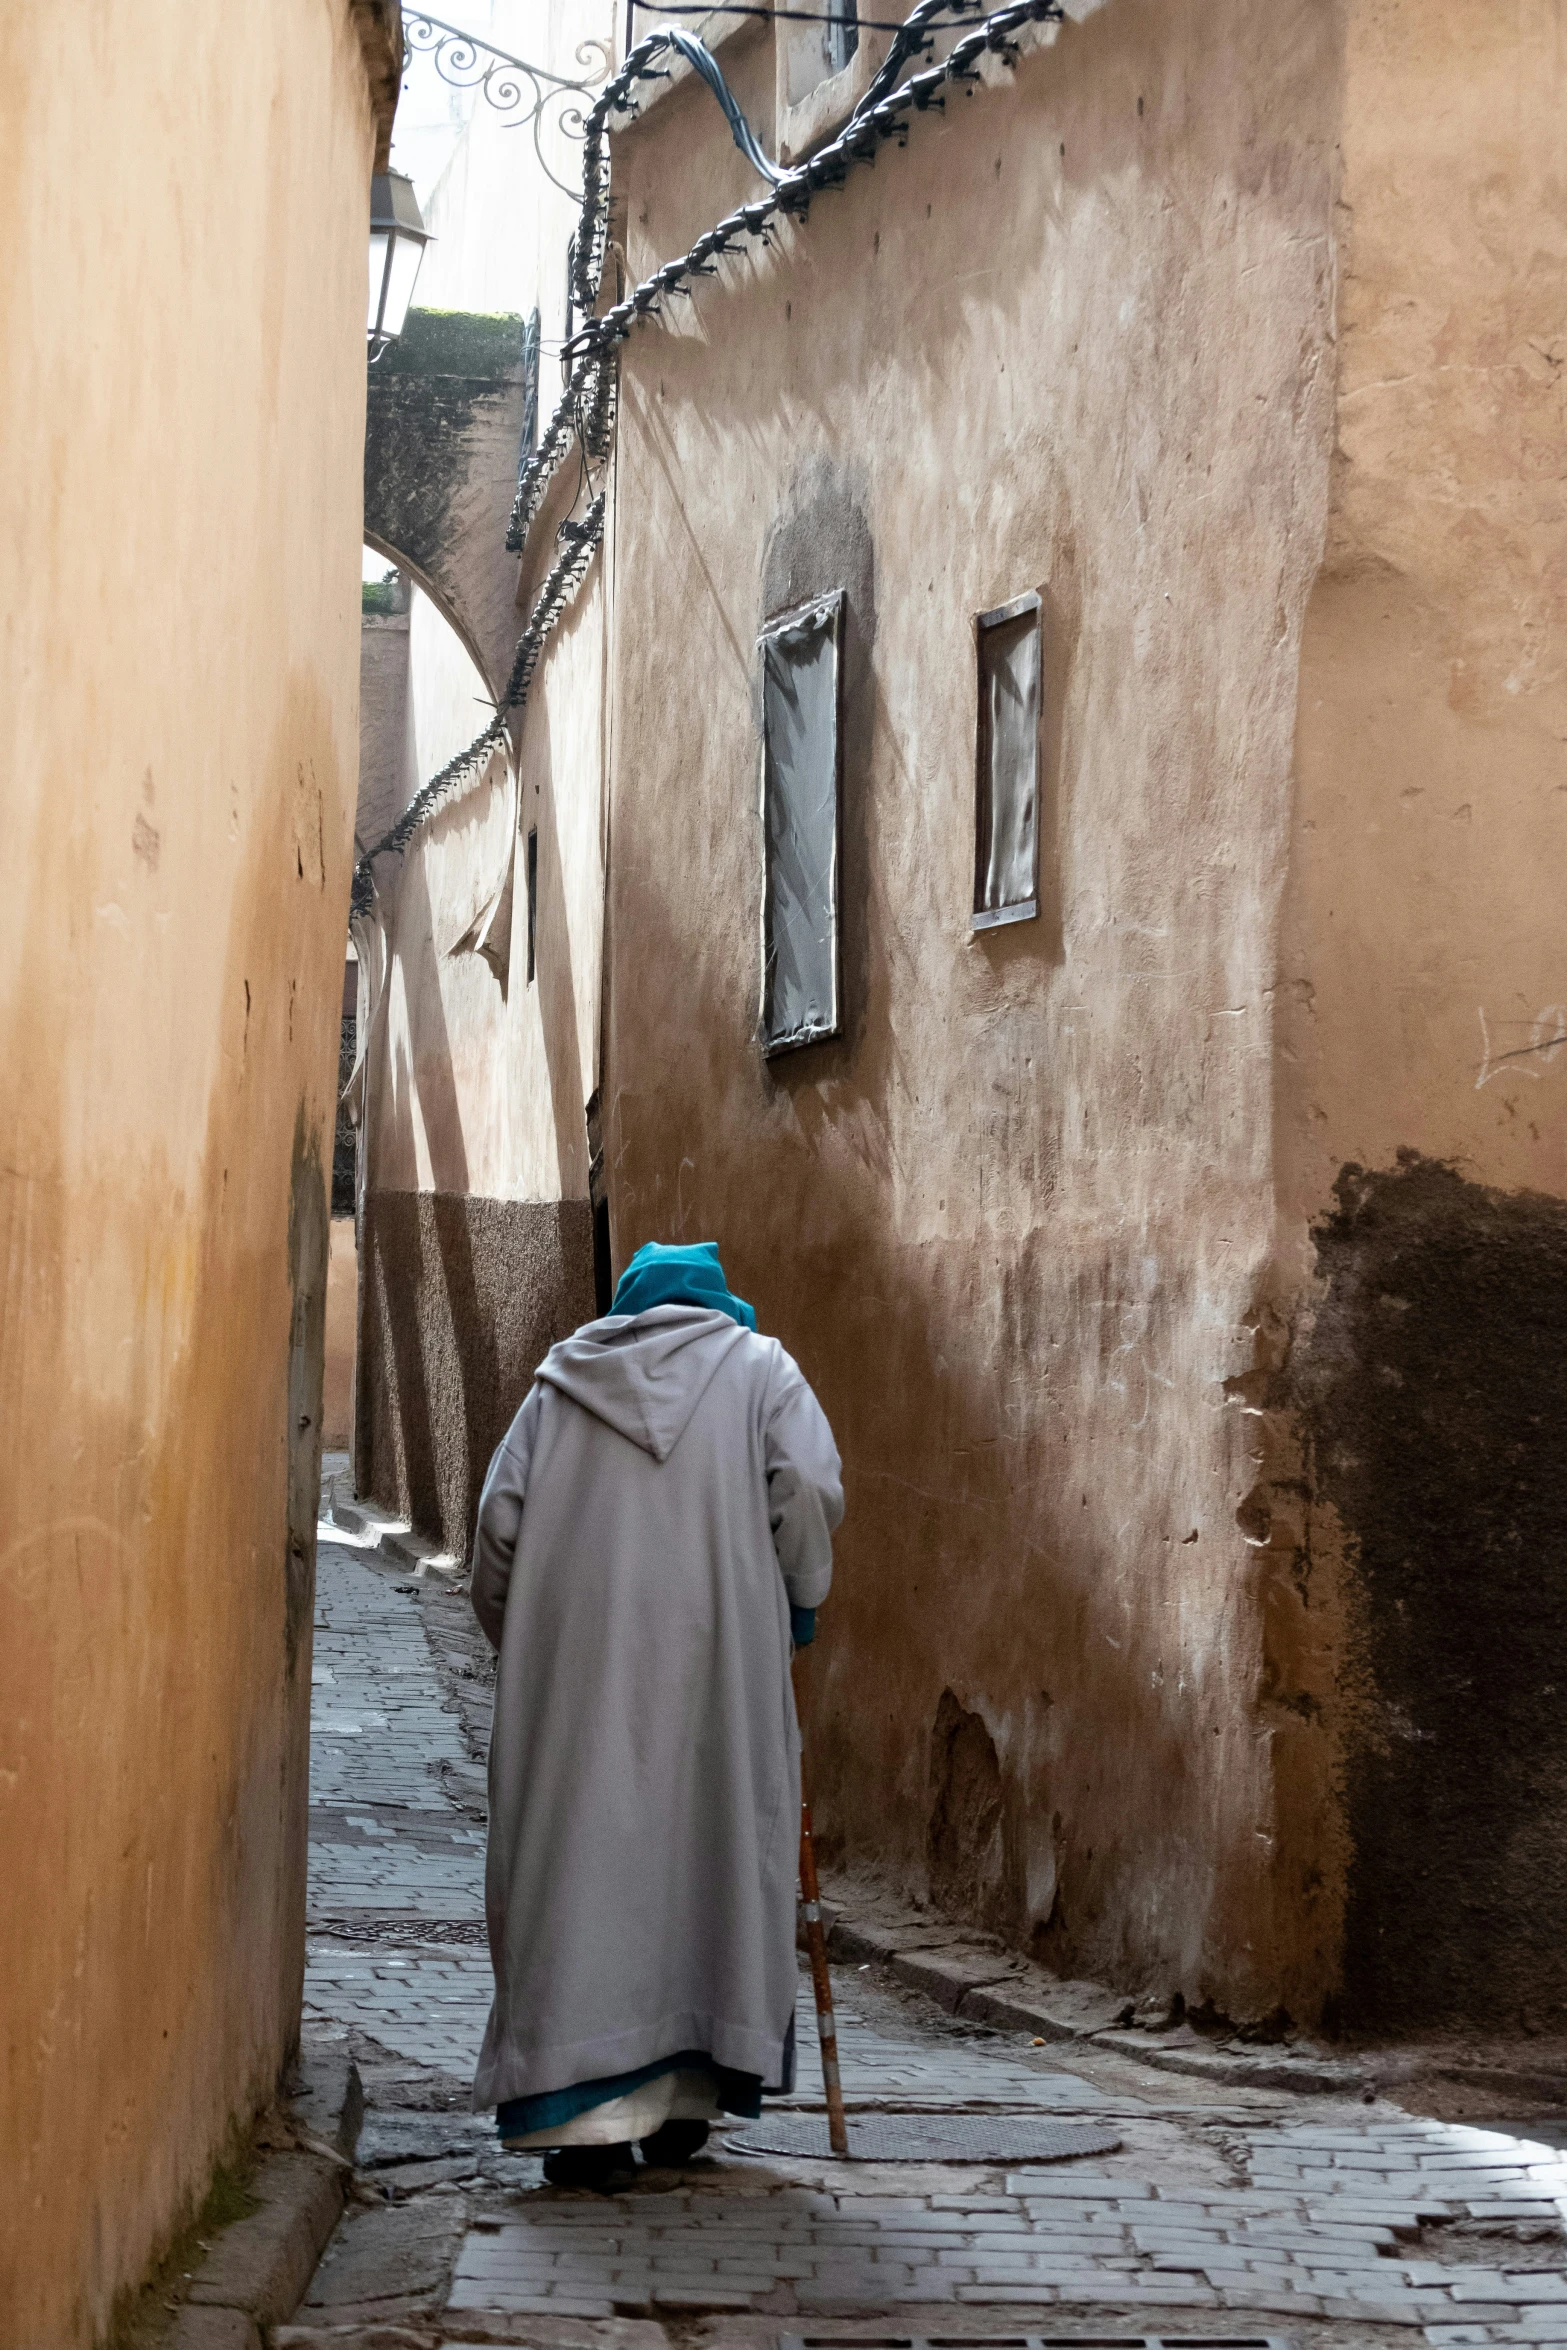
821,1981
821,1984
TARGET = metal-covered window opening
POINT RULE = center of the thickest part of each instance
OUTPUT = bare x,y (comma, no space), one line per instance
531,344
801,787
533,901
841,39
1006,767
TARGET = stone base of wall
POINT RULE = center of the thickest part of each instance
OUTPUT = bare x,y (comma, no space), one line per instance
459,1301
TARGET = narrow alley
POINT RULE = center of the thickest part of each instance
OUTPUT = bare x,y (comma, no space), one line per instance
1223,2208
780,1187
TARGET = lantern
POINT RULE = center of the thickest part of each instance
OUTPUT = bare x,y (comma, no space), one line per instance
397,241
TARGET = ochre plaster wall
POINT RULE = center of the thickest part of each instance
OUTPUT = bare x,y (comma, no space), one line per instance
1423,1009
1077,337
181,401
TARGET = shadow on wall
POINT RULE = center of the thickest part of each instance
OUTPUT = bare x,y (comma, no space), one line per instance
342,1283
967,1582
989,1855
554,974
462,1299
1433,1392
463,1294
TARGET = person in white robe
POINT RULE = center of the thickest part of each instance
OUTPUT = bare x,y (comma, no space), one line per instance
655,1529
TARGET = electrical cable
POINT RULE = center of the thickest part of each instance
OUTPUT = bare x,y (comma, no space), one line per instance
828,16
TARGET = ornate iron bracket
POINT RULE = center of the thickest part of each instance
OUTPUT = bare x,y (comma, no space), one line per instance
532,94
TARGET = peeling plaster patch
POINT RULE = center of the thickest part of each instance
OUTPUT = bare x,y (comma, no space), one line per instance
964,1843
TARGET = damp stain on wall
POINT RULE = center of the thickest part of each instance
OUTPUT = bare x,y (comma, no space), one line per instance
1433,1392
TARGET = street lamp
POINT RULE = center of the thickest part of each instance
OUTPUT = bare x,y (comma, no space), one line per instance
398,238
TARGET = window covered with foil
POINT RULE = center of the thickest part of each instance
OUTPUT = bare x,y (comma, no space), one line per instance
1006,827
800,823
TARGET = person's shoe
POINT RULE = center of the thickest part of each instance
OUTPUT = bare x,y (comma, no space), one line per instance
674,2142
587,2166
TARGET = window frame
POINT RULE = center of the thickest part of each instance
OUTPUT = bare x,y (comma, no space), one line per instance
983,918
532,346
531,882
832,607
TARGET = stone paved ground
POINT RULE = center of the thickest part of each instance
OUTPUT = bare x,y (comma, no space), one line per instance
1219,2219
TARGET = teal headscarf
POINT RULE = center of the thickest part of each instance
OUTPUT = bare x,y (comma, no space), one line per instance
664,1276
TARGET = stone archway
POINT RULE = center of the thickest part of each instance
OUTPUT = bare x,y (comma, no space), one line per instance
443,435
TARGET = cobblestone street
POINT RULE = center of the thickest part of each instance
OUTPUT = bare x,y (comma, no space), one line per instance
1220,2216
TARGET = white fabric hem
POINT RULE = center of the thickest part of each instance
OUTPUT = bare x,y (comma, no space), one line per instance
680,2097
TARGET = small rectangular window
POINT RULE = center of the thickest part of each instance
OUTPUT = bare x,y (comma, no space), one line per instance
530,387
800,825
841,35
533,900
1006,828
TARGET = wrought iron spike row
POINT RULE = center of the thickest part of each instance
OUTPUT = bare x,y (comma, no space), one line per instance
858,142
600,431
425,803
547,606
911,42
419,810
588,268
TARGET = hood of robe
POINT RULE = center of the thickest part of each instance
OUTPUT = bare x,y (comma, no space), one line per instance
643,1375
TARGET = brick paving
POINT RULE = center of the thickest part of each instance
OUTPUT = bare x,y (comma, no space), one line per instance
1323,2212
1319,2231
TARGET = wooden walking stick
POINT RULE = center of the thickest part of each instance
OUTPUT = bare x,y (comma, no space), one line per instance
821,1983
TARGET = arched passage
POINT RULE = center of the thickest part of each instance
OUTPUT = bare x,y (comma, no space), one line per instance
443,434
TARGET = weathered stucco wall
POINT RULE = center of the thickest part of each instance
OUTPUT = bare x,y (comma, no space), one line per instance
1077,338
442,428
383,725
1423,1010
462,1298
480,1073
181,400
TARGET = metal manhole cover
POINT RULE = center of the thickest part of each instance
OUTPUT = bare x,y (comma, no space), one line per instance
1033,2342
929,2137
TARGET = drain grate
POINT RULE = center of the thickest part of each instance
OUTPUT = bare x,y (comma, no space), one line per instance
930,2137
1033,2342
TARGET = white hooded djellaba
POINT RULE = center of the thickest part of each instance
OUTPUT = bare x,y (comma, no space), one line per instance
665,1496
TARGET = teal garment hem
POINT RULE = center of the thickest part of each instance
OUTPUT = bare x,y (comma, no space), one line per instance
802,1626
736,2093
